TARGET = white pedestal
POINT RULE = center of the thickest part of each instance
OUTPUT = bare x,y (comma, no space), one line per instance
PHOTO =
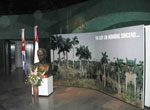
46,87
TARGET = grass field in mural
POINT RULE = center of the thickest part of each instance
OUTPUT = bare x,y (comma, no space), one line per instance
74,65
112,78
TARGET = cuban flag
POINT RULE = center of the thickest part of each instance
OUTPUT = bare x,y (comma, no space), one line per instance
23,52
36,59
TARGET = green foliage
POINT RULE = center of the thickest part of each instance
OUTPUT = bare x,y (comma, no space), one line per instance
119,62
114,72
131,62
104,58
55,69
92,68
83,52
75,40
61,44
77,64
86,83
120,69
139,79
67,44
53,42
34,78
139,74
130,91
126,98
112,82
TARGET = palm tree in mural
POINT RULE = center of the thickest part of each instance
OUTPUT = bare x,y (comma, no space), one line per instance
53,44
67,47
139,78
75,41
79,53
120,74
131,65
60,45
87,54
84,54
104,61
64,45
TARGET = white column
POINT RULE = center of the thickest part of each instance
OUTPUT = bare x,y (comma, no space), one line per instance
147,75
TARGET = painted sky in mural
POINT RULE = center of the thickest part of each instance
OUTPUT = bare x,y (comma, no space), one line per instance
120,40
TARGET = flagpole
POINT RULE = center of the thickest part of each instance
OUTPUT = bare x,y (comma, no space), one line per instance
23,52
36,59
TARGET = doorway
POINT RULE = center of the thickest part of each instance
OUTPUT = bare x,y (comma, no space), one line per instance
16,54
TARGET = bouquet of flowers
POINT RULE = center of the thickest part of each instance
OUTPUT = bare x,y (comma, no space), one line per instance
34,78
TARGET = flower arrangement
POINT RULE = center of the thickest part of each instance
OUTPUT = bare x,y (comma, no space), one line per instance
34,78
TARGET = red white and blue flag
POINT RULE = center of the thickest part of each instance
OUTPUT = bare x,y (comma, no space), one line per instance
23,52
36,59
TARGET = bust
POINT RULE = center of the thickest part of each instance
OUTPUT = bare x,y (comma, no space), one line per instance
42,66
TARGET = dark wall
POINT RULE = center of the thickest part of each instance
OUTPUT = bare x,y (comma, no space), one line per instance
5,57
2,59
44,43
89,16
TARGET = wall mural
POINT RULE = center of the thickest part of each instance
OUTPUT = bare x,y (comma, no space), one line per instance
109,61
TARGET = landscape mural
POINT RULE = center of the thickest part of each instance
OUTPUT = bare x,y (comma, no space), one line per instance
109,61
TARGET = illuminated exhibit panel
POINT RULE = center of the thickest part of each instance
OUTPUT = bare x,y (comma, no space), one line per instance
110,61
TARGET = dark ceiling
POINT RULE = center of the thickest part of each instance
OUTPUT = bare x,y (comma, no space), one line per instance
11,7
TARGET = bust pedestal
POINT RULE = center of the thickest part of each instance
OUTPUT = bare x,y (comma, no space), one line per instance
46,87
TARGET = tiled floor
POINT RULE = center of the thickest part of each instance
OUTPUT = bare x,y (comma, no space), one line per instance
15,95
